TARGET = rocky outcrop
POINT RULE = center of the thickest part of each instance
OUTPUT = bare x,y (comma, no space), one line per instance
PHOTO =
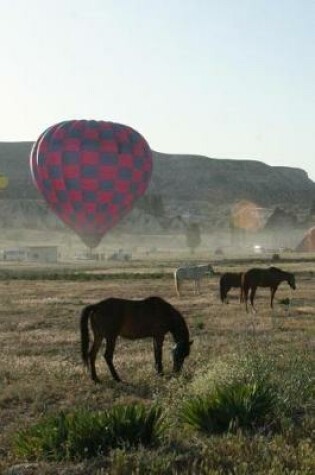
182,187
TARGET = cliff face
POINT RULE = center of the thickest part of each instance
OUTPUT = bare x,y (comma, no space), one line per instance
184,177
181,185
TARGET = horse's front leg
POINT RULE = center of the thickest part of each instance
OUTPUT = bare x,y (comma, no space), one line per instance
158,346
108,355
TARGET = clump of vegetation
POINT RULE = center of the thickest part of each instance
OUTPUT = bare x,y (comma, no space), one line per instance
199,322
86,434
74,275
276,257
193,236
240,379
245,406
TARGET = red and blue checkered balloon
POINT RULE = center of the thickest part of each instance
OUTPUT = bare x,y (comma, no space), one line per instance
90,173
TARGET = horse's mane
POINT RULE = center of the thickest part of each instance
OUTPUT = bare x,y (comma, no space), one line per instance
276,269
280,271
179,328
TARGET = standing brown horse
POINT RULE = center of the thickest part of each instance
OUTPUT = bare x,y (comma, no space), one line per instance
152,317
231,280
271,277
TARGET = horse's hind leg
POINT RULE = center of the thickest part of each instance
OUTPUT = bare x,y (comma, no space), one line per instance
241,300
92,356
227,289
198,286
242,287
178,287
252,296
245,294
273,291
108,355
242,296
158,345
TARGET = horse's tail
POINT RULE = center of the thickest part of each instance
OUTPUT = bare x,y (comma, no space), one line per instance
84,327
222,290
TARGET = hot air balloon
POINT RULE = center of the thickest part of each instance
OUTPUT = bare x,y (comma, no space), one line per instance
90,173
3,182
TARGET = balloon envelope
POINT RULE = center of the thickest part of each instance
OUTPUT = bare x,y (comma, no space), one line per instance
3,182
90,173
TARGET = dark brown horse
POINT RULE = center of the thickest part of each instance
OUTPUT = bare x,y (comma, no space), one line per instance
228,281
271,277
152,317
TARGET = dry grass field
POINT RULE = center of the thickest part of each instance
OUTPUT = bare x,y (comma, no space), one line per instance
41,372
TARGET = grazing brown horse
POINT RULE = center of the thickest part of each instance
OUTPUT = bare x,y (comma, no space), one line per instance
271,277
151,317
228,281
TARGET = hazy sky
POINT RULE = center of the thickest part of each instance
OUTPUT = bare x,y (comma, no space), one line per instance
222,78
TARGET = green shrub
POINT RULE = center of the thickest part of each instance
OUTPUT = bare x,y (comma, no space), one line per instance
63,436
231,407
135,425
86,434
75,275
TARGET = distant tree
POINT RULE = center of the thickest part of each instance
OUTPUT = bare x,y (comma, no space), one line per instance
193,236
156,205
312,209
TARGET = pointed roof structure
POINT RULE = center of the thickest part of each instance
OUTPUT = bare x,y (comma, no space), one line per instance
307,244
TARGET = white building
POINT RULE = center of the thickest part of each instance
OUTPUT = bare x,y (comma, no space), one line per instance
31,253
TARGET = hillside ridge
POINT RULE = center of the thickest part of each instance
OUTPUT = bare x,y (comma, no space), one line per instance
197,185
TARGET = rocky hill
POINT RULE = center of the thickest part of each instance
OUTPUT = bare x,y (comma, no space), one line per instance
186,177
181,186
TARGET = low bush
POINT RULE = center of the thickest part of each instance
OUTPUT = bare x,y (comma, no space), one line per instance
230,407
291,375
84,434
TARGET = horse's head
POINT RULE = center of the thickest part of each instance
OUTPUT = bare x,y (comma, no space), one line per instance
180,351
210,270
291,281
